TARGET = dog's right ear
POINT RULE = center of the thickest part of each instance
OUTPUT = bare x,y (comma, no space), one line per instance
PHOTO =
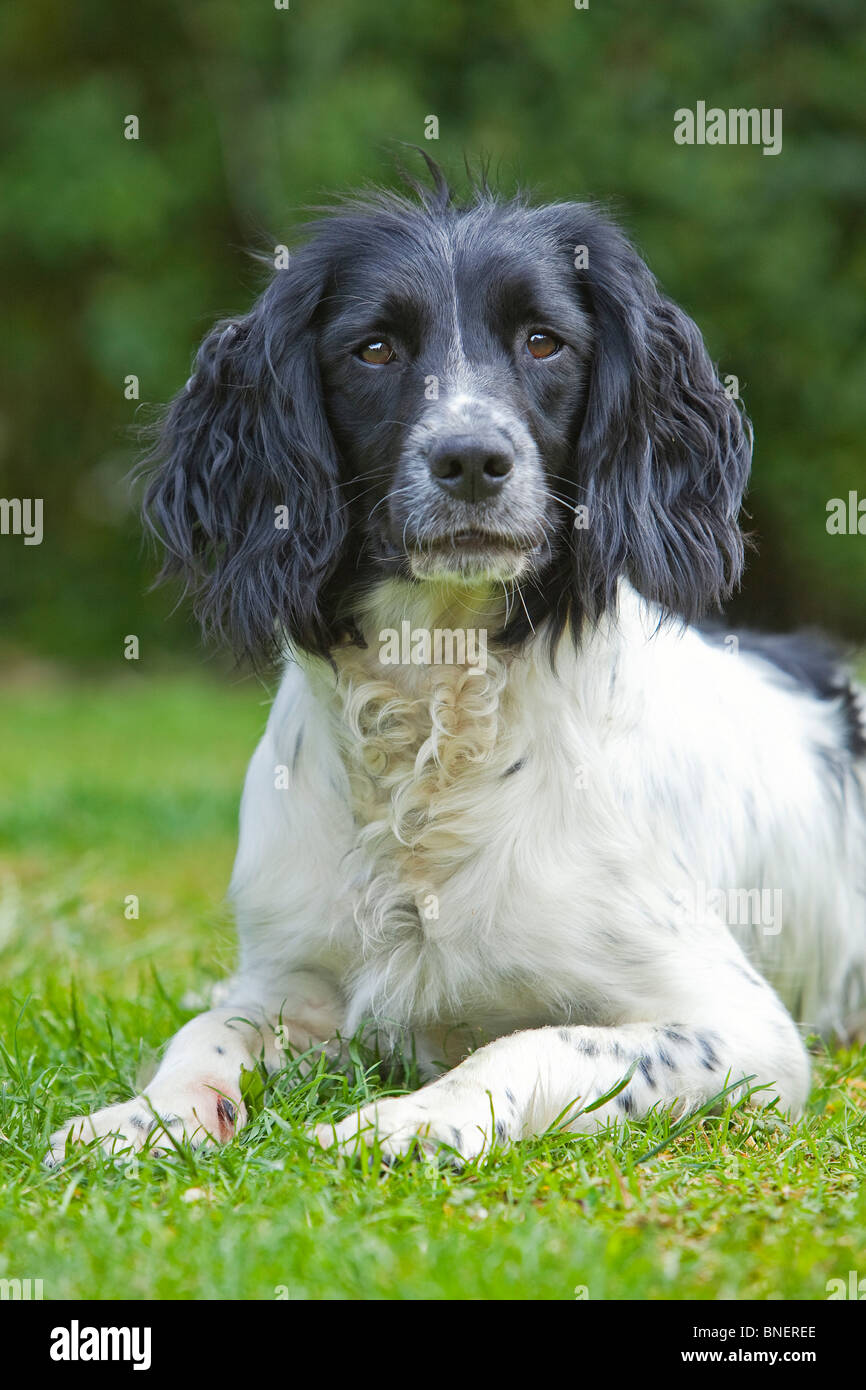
245,492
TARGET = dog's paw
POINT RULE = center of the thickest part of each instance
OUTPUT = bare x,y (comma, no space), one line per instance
156,1122
458,1126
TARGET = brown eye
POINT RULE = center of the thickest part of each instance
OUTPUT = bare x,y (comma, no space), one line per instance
543,345
378,353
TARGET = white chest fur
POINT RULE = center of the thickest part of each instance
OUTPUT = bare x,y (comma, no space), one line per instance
485,838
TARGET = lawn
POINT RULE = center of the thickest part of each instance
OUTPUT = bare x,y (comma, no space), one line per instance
109,792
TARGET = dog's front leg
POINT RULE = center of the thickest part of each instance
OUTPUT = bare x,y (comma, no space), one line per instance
196,1094
518,1086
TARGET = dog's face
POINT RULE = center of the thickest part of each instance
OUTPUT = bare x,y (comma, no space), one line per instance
490,393
453,356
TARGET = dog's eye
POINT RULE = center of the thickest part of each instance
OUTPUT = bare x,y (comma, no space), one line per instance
378,353
542,345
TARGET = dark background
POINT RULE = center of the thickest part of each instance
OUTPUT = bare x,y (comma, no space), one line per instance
117,255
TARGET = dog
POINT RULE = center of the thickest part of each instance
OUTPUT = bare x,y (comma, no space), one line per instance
449,420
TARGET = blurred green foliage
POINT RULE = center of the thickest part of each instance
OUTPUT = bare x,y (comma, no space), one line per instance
118,254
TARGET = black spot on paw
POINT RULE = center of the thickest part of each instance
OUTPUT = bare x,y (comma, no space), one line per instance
501,1131
709,1057
646,1071
226,1112
625,1103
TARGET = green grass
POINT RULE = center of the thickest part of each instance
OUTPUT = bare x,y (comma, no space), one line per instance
133,789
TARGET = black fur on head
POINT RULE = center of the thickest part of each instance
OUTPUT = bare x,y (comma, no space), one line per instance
427,392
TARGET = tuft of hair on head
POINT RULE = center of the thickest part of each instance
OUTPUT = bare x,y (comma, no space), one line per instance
436,198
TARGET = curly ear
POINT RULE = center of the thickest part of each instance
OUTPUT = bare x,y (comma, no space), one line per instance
663,452
244,495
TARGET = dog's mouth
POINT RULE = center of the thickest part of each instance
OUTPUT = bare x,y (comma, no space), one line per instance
474,538
471,552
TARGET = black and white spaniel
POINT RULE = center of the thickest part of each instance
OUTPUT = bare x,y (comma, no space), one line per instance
474,481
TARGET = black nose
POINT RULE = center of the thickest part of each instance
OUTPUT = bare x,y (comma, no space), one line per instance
470,466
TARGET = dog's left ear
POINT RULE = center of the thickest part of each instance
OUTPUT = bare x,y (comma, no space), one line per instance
663,452
245,493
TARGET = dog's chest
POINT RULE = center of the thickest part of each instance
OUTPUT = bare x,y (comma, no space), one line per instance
449,871
424,756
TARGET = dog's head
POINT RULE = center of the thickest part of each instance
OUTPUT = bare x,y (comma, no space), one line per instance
486,393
